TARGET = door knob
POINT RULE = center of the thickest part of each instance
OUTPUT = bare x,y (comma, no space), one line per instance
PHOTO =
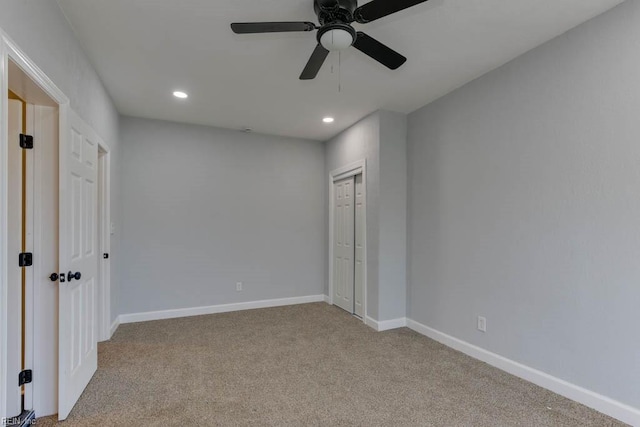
54,277
72,276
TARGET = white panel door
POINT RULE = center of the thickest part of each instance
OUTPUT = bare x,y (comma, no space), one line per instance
78,343
14,273
343,244
45,292
359,247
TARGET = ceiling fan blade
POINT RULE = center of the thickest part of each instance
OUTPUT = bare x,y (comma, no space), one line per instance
315,63
271,27
376,50
377,9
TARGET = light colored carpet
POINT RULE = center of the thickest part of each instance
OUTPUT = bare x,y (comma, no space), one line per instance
303,365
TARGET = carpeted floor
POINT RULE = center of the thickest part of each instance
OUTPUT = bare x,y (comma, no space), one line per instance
303,365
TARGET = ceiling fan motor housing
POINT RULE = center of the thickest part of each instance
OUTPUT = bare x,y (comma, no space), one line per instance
332,11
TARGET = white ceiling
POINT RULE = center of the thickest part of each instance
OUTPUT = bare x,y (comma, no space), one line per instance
146,49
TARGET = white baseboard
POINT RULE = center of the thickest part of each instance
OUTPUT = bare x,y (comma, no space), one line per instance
327,299
114,327
606,405
223,308
385,325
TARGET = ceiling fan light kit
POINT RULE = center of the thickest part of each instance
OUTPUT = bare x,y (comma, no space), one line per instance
337,37
336,33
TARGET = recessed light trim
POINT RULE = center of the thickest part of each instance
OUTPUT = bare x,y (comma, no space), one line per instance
180,94
328,120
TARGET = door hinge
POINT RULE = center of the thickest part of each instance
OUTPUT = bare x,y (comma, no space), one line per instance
25,259
25,377
26,141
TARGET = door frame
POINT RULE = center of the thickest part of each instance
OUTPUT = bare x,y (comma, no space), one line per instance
104,236
9,51
350,170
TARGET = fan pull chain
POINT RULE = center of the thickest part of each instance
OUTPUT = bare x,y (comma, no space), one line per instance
333,62
339,71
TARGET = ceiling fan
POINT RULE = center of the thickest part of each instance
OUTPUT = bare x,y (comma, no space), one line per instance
335,31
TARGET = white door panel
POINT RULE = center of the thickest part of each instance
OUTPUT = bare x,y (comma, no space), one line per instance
343,250
45,292
78,350
359,247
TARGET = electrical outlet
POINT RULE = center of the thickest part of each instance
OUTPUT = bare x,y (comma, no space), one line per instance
239,286
482,324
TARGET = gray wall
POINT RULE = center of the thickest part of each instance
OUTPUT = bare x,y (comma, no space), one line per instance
524,207
380,139
41,31
393,216
205,208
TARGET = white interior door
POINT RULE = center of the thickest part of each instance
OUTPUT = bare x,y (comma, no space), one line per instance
78,344
46,246
343,244
359,276
104,244
14,272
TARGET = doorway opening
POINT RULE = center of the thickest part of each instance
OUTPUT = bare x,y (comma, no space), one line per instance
19,166
32,190
347,239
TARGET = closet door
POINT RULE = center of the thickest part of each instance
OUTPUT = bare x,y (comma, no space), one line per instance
359,247
79,262
344,243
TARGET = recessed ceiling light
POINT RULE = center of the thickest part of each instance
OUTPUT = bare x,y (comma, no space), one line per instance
180,94
328,120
